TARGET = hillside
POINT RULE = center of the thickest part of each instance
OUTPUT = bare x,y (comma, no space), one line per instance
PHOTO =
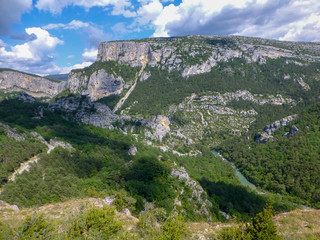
295,225
139,126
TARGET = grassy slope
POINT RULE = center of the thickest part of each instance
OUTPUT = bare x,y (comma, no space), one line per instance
294,225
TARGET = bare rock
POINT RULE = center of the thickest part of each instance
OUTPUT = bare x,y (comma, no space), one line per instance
36,86
133,150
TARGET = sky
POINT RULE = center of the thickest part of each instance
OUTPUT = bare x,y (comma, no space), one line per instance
54,36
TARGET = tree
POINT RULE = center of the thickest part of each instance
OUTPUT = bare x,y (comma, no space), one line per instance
262,226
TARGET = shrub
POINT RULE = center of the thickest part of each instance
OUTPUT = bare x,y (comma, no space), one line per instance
95,223
173,229
36,227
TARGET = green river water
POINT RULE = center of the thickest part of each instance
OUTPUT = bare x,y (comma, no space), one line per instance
241,177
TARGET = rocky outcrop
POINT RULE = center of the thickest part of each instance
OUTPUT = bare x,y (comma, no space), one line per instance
202,205
133,150
168,53
26,97
160,126
81,109
98,85
293,130
189,55
225,98
303,84
270,129
13,81
12,132
126,52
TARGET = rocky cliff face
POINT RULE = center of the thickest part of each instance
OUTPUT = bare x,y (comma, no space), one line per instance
11,81
97,85
82,110
189,56
198,54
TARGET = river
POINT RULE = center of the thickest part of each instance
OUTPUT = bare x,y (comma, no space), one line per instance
241,177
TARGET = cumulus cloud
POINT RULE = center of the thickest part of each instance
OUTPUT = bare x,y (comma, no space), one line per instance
307,29
74,25
63,70
90,54
285,20
10,12
95,34
32,56
2,44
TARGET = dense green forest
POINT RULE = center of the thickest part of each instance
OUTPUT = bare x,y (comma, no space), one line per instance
165,88
99,165
286,165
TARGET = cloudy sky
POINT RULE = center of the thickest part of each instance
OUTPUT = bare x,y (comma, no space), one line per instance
55,36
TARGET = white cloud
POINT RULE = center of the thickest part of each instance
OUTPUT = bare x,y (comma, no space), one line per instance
95,33
2,44
285,20
120,7
31,56
10,12
74,25
90,54
306,29
62,70
149,12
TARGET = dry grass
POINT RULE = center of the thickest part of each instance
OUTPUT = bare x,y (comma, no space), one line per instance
59,214
294,225
299,224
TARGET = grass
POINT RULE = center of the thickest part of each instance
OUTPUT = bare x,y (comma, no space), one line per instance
299,224
294,225
58,214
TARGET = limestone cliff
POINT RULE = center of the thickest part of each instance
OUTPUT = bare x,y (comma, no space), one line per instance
36,86
189,56
98,85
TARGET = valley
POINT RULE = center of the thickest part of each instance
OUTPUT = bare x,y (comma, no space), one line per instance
137,129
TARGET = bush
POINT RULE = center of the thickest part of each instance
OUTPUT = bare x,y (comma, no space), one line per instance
95,223
36,227
173,229
261,227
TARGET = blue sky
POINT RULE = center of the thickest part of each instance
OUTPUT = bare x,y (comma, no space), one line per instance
55,36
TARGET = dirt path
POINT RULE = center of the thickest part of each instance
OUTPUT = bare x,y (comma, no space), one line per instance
122,100
24,167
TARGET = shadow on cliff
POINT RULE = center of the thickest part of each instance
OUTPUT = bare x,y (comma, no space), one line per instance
31,116
234,199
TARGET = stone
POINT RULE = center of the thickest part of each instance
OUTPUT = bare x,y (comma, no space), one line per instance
293,130
133,150
109,200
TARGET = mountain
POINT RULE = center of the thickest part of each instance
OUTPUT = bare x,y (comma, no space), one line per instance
139,125
58,77
15,81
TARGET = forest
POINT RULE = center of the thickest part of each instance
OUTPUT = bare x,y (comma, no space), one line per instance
287,165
